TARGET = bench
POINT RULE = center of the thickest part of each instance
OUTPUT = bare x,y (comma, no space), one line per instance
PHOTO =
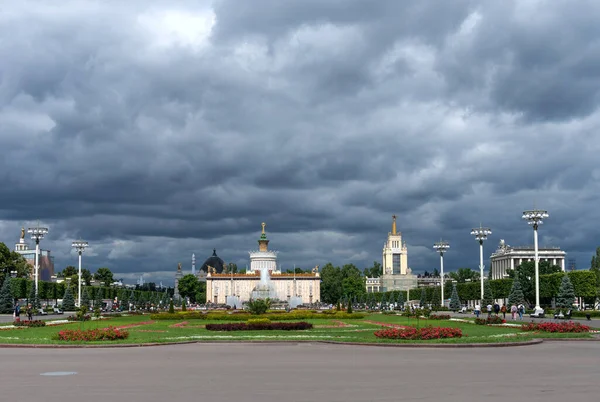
566,316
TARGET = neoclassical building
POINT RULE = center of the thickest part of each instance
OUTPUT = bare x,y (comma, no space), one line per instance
263,277
506,258
396,275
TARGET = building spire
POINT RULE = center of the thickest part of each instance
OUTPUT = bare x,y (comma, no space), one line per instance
263,242
394,232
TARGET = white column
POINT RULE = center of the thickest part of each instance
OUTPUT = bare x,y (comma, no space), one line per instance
554,261
79,284
512,264
481,266
537,268
37,263
442,274
562,264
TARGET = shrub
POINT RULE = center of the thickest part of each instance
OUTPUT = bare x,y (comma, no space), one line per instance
85,317
412,333
68,303
489,320
262,326
258,306
439,316
562,327
103,334
31,324
171,308
258,321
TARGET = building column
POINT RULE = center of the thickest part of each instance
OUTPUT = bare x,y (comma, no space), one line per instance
562,264
512,264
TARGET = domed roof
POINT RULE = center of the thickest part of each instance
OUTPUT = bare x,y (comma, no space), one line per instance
213,261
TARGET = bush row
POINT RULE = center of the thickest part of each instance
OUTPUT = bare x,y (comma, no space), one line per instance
102,334
31,324
425,333
562,327
295,315
439,316
260,326
494,319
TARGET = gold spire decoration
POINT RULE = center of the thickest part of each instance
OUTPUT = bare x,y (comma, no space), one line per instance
263,227
22,233
394,225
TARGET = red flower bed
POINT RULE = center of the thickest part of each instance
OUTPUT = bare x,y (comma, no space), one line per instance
426,333
561,327
260,326
103,334
32,323
439,316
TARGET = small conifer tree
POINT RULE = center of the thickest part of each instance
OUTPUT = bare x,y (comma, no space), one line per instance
98,298
423,299
6,298
516,295
436,299
68,303
488,297
85,299
566,294
183,306
401,299
171,307
454,300
349,310
34,299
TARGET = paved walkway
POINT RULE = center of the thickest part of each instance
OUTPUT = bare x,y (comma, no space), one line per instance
594,323
303,372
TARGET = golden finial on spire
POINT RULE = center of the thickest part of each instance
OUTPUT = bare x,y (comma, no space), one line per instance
22,232
394,225
263,227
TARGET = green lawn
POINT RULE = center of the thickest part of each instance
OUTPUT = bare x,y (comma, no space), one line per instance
353,331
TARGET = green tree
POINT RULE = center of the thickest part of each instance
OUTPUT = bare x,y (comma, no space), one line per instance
423,299
566,294
105,276
183,306
171,307
488,297
68,303
400,299
258,306
595,266
6,298
86,277
98,298
526,274
85,298
12,261
189,287
516,296
373,271
454,300
331,284
67,272
463,275
436,299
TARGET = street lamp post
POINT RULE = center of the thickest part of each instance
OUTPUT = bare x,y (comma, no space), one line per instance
37,233
535,217
79,246
441,247
481,234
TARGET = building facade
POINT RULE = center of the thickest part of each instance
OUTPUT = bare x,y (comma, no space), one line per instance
46,261
507,258
396,275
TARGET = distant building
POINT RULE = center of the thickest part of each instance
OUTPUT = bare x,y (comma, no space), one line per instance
46,261
396,275
507,258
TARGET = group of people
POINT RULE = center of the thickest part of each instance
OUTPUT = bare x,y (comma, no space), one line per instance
28,311
496,309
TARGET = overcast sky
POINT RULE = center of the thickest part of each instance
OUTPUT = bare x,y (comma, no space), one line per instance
154,129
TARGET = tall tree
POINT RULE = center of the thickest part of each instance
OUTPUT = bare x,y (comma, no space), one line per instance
454,300
566,294
595,266
68,303
373,271
98,297
86,277
105,276
331,284
6,298
436,298
85,298
488,297
11,261
516,296
68,272
423,299
463,275
189,287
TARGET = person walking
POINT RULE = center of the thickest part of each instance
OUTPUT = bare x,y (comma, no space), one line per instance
521,311
496,309
503,310
477,310
489,310
29,312
17,312
513,312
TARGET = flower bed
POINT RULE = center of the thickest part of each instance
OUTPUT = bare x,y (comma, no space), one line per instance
103,334
86,317
439,316
562,327
413,334
261,326
30,324
490,320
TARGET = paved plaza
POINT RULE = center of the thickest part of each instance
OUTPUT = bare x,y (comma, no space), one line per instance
552,371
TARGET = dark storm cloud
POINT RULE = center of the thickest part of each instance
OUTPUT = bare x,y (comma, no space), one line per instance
158,129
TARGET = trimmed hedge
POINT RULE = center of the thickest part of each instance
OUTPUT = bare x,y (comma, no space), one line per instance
490,320
30,324
260,326
295,315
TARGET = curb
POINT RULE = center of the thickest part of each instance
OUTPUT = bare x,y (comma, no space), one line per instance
295,342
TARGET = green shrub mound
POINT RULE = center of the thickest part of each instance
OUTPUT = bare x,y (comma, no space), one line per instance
260,326
30,324
489,320
295,315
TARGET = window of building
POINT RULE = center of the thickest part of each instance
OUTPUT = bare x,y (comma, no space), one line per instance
396,264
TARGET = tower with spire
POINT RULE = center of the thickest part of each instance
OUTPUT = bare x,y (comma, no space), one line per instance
395,275
263,259
178,276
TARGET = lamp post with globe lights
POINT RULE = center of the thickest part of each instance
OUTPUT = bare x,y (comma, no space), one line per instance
441,247
37,233
535,217
80,247
481,234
